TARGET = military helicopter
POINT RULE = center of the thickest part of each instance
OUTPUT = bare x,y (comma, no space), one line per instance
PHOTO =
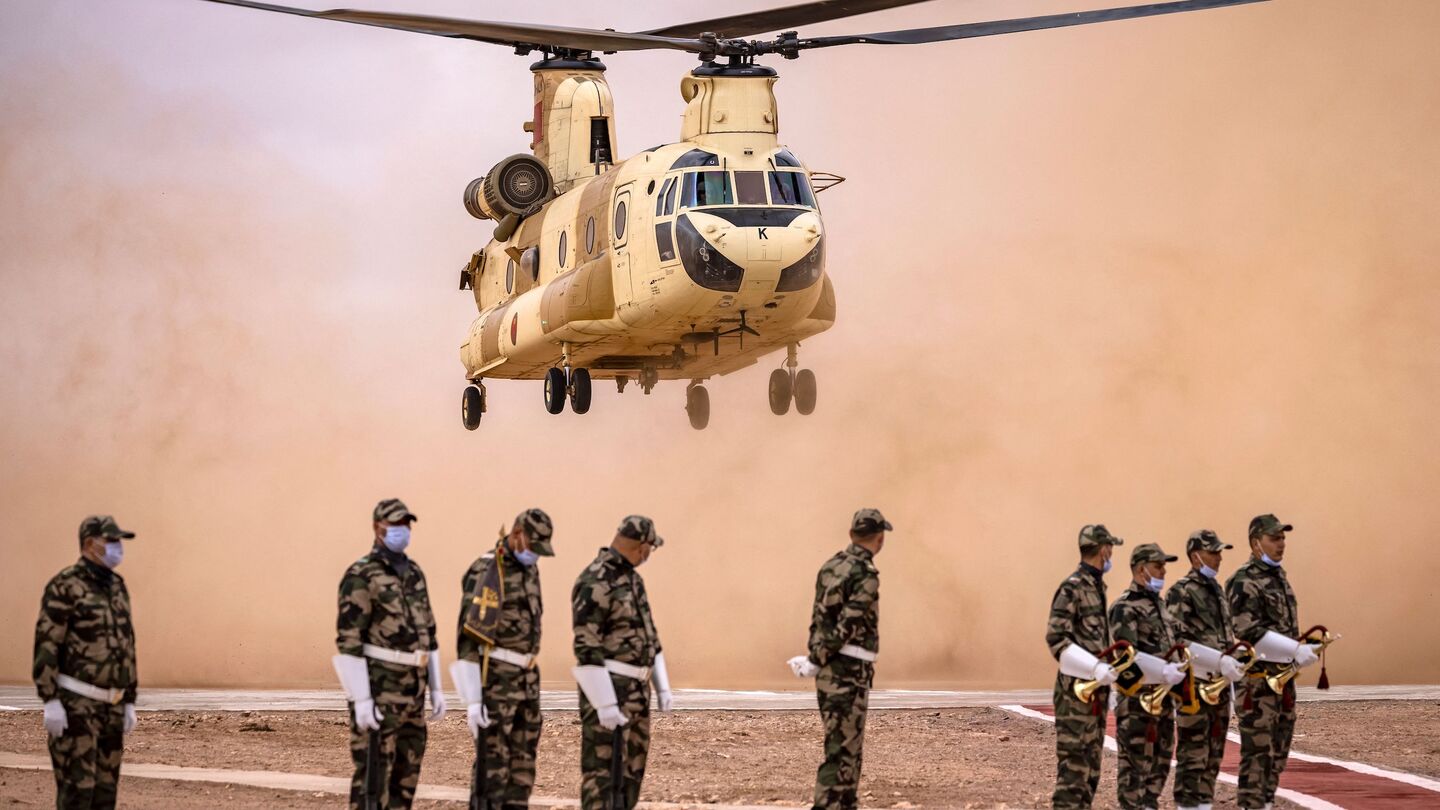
686,261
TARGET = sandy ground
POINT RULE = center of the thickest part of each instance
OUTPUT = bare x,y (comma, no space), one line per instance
981,757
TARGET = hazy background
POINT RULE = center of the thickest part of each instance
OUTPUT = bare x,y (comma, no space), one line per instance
1164,274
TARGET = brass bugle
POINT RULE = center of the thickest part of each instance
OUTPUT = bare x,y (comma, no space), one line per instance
1185,692
1121,656
1213,690
1287,673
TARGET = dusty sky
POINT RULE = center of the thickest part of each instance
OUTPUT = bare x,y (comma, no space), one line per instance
1163,274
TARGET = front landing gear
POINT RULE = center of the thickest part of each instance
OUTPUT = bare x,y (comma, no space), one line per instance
574,386
792,384
697,405
472,406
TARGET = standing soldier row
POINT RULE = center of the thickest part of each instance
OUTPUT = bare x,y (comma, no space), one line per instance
1184,651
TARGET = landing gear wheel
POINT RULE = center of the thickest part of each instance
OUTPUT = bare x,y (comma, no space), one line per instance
555,390
780,392
697,405
580,390
472,405
805,392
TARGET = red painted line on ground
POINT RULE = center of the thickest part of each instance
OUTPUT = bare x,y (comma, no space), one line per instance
1331,782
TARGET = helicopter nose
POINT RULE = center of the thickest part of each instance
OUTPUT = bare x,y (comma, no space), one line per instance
754,250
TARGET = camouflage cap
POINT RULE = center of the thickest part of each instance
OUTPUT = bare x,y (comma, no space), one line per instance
639,527
103,526
538,530
393,510
1097,535
869,521
1205,540
1148,553
1268,525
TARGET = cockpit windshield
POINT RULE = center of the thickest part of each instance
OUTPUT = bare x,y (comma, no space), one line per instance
706,188
791,188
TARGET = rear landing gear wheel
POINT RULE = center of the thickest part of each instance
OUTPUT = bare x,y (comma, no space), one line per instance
555,389
780,392
805,392
472,406
697,405
580,390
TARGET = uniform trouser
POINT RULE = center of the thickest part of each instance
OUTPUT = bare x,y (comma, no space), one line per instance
1267,724
402,746
842,688
597,745
512,699
1199,747
1144,742
1079,744
86,758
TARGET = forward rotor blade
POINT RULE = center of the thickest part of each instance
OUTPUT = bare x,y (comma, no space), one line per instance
779,19
498,33
917,36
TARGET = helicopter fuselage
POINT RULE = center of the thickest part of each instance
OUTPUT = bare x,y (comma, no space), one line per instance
686,261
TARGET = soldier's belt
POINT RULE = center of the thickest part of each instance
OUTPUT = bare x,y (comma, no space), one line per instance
83,689
627,670
419,658
861,653
512,658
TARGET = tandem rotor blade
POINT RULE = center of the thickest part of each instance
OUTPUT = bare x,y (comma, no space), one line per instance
498,33
778,19
917,36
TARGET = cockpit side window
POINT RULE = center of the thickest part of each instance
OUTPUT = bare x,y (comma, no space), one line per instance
706,188
791,188
670,198
660,198
750,188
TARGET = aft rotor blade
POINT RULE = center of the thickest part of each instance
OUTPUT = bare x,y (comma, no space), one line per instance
917,36
498,33
779,19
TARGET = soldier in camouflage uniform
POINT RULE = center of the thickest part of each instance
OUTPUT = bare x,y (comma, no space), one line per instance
1144,741
617,652
844,641
1201,615
1078,624
85,668
388,661
499,639
1261,603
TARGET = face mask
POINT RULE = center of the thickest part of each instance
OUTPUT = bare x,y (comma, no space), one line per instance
1266,559
1208,571
396,538
1105,568
114,553
527,557
1156,584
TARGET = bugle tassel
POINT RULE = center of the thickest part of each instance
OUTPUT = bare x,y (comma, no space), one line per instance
1324,682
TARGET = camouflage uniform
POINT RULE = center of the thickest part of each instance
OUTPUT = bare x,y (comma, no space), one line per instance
1200,613
85,631
512,694
1144,741
1077,616
846,614
612,621
1261,600
384,602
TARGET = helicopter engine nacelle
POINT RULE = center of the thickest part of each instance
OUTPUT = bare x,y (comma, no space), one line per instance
518,185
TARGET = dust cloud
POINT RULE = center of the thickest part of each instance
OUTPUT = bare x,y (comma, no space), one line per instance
1163,275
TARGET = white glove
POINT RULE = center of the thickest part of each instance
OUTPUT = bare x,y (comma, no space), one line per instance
1306,655
437,689
367,717
56,721
1231,669
610,717
661,678
1174,673
801,666
1105,674
130,718
477,718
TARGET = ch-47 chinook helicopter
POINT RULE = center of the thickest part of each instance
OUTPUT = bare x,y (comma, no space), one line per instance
686,261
